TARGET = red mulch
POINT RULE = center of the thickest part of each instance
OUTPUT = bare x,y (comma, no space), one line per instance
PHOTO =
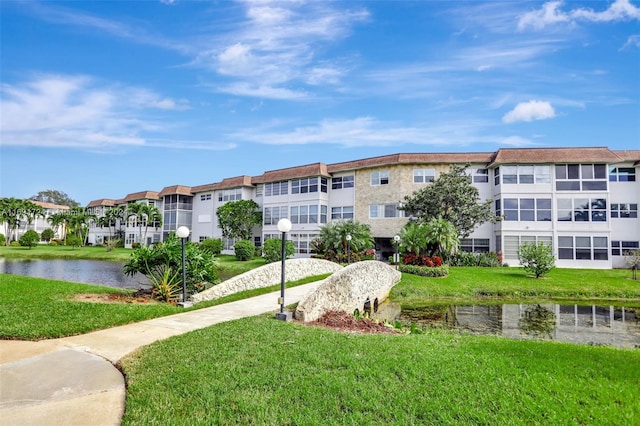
342,321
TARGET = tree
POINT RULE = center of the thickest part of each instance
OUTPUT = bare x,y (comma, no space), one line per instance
114,216
632,258
59,221
332,241
55,197
452,197
29,239
30,212
536,258
145,215
78,219
237,218
413,238
48,234
272,249
10,214
442,237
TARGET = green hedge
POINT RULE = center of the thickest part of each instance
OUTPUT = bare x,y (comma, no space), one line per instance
425,271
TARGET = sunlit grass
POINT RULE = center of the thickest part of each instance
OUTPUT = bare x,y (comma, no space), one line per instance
43,251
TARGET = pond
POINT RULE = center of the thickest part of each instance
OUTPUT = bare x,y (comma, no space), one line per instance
80,271
591,325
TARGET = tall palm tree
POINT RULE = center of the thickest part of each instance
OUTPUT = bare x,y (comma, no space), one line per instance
144,215
59,222
413,238
442,236
78,222
115,217
30,212
333,236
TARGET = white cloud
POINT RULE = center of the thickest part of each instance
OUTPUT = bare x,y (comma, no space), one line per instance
632,41
76,111
550,13
262,91
530,111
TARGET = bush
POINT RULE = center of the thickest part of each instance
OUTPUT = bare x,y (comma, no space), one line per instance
14,244
272,249
244,250
212,245
486,260
3,240
48,234
432,272
536,258
53,243
73,240
413,259
29,239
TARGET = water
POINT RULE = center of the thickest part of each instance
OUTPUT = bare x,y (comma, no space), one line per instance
81,271
591,325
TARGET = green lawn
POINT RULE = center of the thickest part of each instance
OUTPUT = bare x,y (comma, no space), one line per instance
43,251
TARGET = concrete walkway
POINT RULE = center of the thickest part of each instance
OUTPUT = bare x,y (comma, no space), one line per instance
73,381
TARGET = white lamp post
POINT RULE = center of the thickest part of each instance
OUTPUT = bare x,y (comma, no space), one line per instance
348,249
182,233
284,226
396,239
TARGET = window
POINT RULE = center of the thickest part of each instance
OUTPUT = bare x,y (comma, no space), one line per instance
201,239
581,177
583,248
342,182
497,207
542,174
379,178
582,210
259,190
424,175
526,209
624,211
273,214
276,188
302,242
621,248
308,214
475,245
230,195
257,241
622,174
522,174
205,197
344,212
377,211
480,175
496,176
512,243
304,186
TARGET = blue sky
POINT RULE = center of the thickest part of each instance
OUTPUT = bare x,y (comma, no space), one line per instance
101,99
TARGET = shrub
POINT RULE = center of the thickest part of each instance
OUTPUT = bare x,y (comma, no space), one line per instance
487,260
244,250
3,240
112,243
212,245
272,249
135,245
73,240
416,260
53,243
536,258
14,244
433,272
29,239
48,234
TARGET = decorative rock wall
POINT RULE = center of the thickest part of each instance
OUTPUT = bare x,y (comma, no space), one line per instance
349,289
268,275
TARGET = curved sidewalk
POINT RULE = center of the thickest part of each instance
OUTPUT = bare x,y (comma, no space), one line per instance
73,380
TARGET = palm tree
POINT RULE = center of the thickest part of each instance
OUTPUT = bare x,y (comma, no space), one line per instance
10,213
413,238
115,216
333,237
144,215
442,237
31,211
78,222
59,222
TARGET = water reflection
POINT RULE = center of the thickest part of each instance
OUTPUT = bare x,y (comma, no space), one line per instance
592,325
81,271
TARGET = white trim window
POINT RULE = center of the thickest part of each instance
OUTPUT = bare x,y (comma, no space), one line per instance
583,248
512,243
624,211
581,177
622,174
582,210
480,175
380,178
424,175
309,214
344,213
272,215
622,248
342,182
234,194
205,197
307,185
276,188
474,245
527,209
385,211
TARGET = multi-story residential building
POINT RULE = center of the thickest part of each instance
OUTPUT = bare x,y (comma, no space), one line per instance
42,222
582,201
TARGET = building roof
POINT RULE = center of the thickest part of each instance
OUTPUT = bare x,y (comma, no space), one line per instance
102,202
554,155
175,189
227,183
51,206
142,195
630,155
415,158
309,170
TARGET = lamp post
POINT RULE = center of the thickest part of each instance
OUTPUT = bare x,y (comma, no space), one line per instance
348,249
182,233
396,258
284,226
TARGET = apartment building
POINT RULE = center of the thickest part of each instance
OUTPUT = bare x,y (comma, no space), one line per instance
582,201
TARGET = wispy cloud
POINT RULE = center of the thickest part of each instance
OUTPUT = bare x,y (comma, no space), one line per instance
530,111
632,41
79,112
551,13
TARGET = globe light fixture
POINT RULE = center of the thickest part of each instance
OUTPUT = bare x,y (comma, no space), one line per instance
182,233
396,258
284,226
348,237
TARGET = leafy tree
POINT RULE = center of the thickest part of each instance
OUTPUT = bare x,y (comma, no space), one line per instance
160,263
413,238
452,197
442,237
244,250
29,239
30,212
332,241
77,220
145,215
237,218
632,259
536,258
11,211
59,220
48,234
212,245
55,197
272,249
3,240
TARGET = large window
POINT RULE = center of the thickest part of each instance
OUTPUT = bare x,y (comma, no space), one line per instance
276,188
480,175
303,186
344,212
205,197
583,248
582,210
512,243
308,214
581,177
273,214
622,248
475,245
379,178
342,182
424,175
379,211
230,195
624,210
526,209
522,174
622,174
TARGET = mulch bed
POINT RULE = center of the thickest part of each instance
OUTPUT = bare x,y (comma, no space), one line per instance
342,321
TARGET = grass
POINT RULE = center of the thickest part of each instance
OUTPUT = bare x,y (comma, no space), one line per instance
43,251
499,285
260,371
